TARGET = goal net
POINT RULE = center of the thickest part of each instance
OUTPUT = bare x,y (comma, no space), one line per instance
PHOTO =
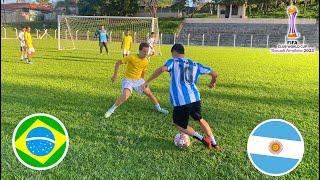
78,32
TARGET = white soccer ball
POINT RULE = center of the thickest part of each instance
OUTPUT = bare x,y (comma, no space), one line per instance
182,141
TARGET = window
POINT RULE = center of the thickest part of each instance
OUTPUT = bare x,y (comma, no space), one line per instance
234,10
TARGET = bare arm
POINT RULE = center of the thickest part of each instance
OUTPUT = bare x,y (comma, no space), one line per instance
116,69
156,73
214,76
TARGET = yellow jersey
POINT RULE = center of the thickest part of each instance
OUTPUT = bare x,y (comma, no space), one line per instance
135,66
28,40
127,42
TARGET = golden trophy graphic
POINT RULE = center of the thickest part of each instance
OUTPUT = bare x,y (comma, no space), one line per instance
292,13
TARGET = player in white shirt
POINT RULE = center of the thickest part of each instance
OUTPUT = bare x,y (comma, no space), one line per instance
22,43
151,42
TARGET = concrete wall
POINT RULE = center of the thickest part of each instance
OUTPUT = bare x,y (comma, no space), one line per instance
260,30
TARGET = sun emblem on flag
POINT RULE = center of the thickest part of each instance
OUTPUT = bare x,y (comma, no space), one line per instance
275,147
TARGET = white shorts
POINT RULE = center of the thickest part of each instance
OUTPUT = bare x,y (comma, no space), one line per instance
133,84
126,52
21,44
30,50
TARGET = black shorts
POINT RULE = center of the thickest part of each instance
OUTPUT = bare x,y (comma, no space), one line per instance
22,49
181,114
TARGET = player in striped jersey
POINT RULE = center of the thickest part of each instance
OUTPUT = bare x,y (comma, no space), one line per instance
184,94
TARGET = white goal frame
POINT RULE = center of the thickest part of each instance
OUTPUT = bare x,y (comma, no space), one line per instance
66,33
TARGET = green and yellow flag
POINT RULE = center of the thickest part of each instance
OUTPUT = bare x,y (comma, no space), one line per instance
40,141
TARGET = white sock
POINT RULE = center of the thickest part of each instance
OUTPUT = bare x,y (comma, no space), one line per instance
114,107
213,140
157,106
197,135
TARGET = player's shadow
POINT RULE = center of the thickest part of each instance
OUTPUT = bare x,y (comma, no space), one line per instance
83,111
81,59
14,61
49,99
116,138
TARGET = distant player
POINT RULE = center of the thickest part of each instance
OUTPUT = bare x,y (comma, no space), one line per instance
151,41
127,43
101,33
29,46
184,94
22,43
135,71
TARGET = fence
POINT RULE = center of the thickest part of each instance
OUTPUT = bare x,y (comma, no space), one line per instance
219,39
12,33
234,40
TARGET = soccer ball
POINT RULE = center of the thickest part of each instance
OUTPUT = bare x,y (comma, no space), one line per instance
182,141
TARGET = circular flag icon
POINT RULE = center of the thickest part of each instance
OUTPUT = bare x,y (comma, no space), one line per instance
40,141
275,147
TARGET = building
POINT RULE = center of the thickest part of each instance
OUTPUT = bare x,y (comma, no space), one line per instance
231,10
24,12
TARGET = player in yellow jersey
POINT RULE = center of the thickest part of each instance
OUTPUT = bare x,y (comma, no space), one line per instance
135,71
29,46
127,43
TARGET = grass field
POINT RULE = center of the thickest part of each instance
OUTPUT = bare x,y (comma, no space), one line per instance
136,142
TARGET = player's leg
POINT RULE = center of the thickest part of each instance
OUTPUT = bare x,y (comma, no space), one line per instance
124,96
22,52
30,52
154,100
196,115
105,46
180,120
101,46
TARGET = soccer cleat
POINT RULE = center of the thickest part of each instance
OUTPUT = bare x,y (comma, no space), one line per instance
207,142
108,114
164,111
217,147
29,62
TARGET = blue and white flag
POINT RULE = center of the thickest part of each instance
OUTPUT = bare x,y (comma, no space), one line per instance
275,147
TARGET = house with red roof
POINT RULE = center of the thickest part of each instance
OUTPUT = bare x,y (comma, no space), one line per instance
24,12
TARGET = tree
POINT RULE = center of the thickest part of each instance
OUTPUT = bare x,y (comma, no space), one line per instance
153,5
66,4
108,7
43,1
179,5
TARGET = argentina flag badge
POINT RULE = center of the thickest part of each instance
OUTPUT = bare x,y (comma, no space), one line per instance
275,147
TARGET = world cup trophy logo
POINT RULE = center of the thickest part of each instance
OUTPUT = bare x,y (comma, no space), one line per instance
292,13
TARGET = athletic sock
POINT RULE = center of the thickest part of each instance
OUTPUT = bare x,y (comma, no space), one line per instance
157,106
114,107
197,136
213,141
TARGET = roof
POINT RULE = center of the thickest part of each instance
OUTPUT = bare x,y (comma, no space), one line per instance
31,6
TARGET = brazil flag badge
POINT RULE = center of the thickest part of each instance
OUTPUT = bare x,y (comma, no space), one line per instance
40,141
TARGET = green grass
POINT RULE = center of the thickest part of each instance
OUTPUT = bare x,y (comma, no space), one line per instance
169,25
136,142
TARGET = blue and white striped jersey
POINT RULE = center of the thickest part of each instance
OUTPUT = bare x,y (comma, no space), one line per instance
184,75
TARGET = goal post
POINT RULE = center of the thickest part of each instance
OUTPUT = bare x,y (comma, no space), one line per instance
78,32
